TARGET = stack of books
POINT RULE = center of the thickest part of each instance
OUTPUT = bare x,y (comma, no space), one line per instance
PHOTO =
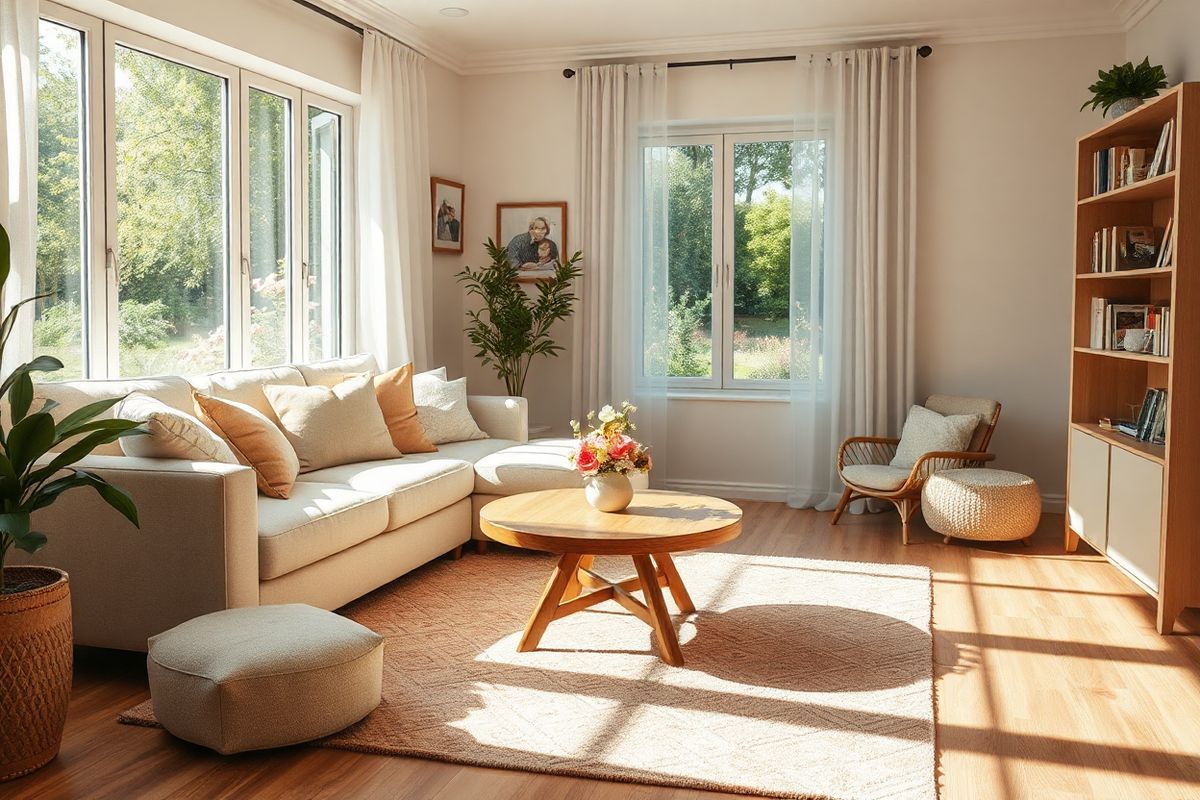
1117,167
1151,424
1124,247
1164,154
1131,327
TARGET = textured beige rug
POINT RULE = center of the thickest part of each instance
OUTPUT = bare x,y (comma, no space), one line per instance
802,679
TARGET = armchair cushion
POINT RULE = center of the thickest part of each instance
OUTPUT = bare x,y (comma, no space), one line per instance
927,431
875,476
949,404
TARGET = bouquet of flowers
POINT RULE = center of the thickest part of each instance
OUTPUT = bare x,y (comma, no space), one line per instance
608,448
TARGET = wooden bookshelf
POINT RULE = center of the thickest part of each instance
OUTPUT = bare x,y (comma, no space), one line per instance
1136,502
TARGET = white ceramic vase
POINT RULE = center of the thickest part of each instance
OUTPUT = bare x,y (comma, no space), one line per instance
609,491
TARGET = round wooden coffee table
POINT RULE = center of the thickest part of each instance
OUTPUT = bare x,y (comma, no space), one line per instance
655,525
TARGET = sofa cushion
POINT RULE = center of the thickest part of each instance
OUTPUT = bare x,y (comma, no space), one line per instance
414,486
73,395
394,392
316,521
255,440
530,467
442,409
875,476
331,371
245,386
171,433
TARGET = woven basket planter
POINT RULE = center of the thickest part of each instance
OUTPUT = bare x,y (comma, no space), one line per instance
35,668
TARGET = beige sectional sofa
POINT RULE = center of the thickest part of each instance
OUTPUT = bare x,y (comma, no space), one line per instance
209,541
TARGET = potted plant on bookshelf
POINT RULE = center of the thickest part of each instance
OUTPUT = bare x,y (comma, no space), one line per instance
513,327
1125,87
35,602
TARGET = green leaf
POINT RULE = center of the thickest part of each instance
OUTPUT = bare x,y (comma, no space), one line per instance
31,542
29,439
80,416
5,256
116,498
21,397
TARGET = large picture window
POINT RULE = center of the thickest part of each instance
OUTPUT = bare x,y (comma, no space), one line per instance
192,254
730,229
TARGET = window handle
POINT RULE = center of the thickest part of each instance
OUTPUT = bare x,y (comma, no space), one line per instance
246,266
113,265
727,274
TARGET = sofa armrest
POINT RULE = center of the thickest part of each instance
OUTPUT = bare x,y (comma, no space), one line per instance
501,417
196,550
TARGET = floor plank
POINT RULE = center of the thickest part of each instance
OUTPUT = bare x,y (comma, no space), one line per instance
1051,683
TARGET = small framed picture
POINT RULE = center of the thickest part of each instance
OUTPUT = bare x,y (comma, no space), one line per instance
448,203
535,235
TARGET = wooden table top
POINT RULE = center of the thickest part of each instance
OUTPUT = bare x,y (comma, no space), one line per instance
561,521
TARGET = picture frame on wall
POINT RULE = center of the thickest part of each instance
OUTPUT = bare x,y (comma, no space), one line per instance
449,201
535,236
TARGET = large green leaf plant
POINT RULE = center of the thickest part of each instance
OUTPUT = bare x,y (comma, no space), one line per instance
513,327
25,484
1126,80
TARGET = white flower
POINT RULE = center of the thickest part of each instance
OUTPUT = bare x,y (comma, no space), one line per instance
607,414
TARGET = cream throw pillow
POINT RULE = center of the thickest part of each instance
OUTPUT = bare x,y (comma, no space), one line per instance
335,425
927,431
173,433
442,408
255,441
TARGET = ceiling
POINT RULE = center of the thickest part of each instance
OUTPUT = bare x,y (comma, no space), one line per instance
510,35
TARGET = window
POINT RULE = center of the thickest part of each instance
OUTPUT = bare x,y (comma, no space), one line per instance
730,232
179,237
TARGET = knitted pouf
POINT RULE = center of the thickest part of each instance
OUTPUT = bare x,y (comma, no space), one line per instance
982,504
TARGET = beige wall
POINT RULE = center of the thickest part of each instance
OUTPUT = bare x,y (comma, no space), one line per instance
1168,35
997,122
446,161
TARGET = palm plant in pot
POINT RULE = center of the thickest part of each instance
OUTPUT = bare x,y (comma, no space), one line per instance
35,602
1125,86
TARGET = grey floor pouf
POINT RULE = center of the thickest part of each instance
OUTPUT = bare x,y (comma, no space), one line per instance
268,676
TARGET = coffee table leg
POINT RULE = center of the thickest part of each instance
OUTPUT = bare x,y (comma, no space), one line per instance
668,643
563,574
575,586
675,583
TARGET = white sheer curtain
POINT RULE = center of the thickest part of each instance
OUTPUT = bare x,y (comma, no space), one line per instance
395,275
621,325
18,162
853,258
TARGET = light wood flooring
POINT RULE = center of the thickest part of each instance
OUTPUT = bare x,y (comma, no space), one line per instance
1051,683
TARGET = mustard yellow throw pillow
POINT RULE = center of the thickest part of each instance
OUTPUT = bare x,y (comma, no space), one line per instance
394,391
255,441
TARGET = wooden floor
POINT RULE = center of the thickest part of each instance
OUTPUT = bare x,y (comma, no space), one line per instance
1051,683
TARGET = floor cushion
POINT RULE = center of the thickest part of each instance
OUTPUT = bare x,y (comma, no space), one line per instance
316,521
268,676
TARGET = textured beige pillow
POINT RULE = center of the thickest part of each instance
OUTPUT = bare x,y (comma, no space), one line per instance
173,433
927,431
335,425
442,409
255,441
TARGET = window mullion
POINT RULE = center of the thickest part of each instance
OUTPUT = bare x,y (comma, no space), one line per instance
728,247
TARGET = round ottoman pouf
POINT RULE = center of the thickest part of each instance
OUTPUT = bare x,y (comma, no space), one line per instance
269,676
983,504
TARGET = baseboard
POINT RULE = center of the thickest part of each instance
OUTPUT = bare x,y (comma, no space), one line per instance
778,493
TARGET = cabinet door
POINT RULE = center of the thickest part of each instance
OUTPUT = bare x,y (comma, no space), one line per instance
1087,492
1135,516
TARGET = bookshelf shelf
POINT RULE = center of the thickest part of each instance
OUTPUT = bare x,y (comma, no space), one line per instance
1124,355
1153,272
1138,503
1153,452
1157,188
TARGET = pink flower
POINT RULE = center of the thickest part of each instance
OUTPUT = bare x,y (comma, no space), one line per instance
586,460
621,446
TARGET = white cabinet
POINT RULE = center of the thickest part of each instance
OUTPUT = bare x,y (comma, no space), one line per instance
1087,494
1135,515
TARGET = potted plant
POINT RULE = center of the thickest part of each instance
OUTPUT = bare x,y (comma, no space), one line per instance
35,602
513,327
606,455
1124,87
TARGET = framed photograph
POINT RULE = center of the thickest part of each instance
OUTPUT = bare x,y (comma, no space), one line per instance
448,204
535,235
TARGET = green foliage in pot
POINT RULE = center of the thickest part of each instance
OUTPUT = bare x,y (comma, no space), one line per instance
1126,80
26,486
513,327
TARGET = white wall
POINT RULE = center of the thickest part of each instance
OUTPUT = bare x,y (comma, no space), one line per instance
446,161
997,124
1168,35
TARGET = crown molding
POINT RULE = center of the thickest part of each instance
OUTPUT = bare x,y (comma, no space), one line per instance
370,14
1131,12
945,32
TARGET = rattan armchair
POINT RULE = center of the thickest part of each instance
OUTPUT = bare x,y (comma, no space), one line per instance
889,483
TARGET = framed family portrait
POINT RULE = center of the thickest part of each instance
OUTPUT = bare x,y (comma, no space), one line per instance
535,236
448,203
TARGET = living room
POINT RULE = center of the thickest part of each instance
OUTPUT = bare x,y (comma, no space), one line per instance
647,400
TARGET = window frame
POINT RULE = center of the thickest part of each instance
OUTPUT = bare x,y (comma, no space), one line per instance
100,293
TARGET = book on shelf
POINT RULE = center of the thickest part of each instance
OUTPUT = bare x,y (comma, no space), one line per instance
1166,251
1130,327
1151,423
1164,154
1123,247
1120,166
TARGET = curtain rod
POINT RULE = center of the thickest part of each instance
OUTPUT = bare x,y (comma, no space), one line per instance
329,15
924,51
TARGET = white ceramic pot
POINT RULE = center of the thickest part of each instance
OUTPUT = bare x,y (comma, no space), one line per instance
609,491
1124,106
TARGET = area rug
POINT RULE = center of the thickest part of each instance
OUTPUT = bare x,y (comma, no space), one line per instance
803,679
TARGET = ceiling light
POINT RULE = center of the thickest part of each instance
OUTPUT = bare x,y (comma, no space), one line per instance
454,11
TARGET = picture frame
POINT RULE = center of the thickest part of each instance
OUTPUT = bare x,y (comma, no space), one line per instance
535,235
447,214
